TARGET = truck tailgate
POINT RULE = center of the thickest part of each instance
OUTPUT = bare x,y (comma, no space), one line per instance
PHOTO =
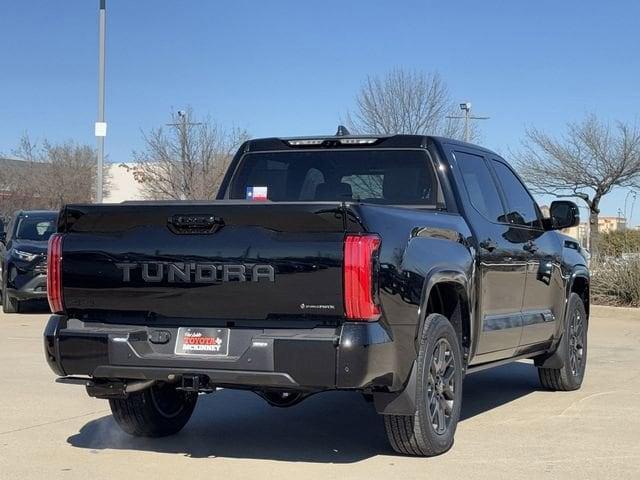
220,260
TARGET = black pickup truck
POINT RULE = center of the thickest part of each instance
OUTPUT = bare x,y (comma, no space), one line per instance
389,265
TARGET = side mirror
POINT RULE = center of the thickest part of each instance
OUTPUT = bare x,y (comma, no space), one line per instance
564,214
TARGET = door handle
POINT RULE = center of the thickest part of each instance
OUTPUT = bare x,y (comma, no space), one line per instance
530,247
488,245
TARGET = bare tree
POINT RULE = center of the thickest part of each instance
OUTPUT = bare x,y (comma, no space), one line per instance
49,175
406,102
590,160
187,160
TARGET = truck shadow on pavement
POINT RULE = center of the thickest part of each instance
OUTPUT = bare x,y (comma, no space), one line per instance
332,427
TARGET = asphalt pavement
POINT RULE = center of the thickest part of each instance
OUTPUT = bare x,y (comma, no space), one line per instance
510,427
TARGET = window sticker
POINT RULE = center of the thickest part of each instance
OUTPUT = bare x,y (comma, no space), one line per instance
256,193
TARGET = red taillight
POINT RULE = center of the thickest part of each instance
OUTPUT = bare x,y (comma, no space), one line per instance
360,252
54,273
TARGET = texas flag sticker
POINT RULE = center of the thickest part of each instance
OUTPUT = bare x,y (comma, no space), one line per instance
256,193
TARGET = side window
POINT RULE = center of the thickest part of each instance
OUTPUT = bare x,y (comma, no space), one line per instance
522,208
480,186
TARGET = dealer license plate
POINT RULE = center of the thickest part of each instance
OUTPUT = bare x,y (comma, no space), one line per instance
202,341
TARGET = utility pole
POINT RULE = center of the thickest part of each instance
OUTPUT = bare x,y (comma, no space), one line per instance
466,108
101,126
183,135
182,128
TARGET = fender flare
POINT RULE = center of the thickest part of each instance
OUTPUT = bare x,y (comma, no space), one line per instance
437,276
579,271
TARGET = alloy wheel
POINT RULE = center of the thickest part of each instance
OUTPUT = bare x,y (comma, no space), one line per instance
576,343
441,386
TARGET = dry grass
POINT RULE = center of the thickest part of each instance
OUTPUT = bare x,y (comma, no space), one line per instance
616,281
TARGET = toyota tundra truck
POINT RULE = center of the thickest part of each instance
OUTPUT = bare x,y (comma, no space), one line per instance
387,265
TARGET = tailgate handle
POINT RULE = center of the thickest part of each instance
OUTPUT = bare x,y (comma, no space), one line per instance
194,224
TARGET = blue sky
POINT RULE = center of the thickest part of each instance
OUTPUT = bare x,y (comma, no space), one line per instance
293,67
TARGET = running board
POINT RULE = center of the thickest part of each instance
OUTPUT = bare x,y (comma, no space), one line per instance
497,363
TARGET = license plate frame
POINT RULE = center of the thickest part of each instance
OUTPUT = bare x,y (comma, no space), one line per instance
202,342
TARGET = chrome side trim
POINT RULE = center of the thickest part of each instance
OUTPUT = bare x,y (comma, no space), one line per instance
501,322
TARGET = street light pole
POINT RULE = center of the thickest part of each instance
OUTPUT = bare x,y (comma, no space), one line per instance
101,127
626,198
466,122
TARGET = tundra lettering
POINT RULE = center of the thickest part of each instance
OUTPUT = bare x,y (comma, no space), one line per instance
153,272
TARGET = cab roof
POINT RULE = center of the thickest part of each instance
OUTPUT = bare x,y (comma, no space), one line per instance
350,141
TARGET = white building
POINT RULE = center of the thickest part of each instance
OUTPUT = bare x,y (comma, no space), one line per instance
123,186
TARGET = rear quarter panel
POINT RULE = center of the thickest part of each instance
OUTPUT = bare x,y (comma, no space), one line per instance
418,246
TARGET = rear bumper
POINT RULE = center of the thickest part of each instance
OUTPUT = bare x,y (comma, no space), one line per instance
356,355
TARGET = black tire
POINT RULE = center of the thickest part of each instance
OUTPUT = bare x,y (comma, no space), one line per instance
155,412
9,303
572,348
425,433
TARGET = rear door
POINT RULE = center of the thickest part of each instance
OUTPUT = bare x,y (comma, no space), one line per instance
501,260
542,254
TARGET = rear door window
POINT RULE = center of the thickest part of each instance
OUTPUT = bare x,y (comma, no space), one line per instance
480,185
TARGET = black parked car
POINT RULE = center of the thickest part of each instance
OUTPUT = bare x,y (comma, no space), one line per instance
23,258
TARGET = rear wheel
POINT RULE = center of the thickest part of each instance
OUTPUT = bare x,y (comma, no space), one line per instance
431,429
573,350
158,411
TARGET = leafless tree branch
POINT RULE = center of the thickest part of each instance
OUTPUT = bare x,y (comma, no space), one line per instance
587,162
49,176
185,160
406,102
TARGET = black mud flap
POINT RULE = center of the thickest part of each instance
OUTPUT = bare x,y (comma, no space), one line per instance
552,360
398,403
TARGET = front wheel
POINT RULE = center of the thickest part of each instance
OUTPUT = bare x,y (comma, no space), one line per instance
431,429
158,411
573,350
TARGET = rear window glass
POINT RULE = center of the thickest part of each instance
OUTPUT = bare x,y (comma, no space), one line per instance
373,176
37,228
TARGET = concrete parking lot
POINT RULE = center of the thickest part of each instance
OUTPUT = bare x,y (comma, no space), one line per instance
510,427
